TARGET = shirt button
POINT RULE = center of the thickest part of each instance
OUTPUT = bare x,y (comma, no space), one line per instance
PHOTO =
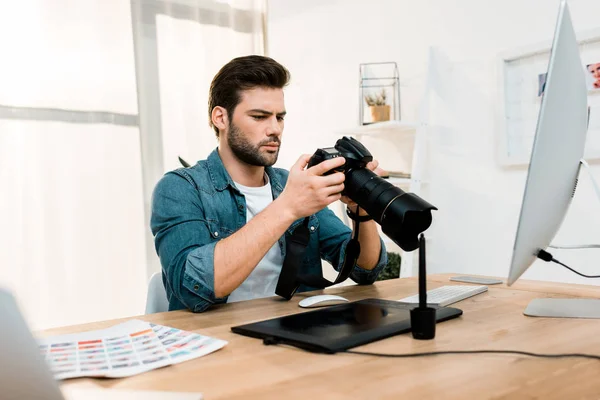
216,234
196,287
312,228
240,207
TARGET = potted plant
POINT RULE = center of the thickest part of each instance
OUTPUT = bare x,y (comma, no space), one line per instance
392,269
380,110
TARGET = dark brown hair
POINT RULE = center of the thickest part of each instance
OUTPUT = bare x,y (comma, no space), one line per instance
240,74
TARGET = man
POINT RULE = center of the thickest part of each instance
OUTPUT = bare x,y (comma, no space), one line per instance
220,226
594,69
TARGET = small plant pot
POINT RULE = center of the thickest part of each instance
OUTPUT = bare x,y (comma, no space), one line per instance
380,113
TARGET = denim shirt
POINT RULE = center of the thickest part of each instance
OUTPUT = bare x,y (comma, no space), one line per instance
193,208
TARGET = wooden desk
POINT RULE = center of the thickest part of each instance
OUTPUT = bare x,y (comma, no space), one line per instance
246,369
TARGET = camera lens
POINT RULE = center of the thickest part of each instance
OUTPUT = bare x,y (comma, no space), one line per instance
402,216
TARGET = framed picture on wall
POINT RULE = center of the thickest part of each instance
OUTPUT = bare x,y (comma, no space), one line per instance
593,70
522,81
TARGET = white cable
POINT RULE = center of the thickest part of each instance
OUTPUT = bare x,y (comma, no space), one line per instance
594,183
597,190
575,246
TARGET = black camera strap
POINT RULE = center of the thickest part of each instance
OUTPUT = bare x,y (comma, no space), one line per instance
291,278
295,247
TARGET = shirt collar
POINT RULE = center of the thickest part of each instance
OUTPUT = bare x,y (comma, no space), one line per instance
221,179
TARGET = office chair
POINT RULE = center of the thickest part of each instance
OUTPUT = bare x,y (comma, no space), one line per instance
183,162
156,301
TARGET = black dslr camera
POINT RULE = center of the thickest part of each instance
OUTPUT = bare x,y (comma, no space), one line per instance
402,216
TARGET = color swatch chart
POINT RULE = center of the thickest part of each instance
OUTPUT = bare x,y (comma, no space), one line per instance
123,350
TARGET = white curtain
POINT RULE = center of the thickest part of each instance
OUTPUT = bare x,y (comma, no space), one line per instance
88,124
190,53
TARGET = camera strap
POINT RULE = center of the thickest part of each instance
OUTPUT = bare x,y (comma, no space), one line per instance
290,277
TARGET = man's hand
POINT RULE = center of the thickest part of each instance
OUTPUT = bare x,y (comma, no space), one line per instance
373,166
307,191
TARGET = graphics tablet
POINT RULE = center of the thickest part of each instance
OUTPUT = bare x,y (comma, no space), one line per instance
340,327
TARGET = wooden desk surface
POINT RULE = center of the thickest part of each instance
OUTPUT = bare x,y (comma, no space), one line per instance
246,369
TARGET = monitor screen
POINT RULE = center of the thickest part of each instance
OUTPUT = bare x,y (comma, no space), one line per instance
557,149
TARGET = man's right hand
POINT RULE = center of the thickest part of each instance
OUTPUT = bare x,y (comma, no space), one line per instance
307,191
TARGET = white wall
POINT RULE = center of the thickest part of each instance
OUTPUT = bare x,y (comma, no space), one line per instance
322,42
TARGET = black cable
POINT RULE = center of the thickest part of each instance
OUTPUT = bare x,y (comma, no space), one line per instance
578,273
544,255
438,353
274,341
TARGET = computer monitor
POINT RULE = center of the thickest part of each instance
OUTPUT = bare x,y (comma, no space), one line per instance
558,148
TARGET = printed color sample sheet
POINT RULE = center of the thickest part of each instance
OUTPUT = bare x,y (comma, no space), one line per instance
123,350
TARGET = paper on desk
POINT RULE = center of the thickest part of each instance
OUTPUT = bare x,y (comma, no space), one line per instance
123,350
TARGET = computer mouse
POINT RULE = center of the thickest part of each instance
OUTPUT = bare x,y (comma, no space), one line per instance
322,300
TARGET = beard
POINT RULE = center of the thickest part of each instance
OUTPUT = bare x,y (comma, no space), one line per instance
249,153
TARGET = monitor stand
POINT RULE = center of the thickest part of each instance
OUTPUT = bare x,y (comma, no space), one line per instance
567,308
564,308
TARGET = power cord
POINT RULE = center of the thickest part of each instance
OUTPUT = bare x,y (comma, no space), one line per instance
512,352
274,341
596,187
544,255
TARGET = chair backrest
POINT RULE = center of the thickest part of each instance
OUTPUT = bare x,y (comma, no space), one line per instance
156,301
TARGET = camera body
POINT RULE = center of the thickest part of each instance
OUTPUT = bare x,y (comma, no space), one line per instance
402,216
356,155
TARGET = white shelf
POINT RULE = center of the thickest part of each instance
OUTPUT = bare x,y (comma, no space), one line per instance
381,128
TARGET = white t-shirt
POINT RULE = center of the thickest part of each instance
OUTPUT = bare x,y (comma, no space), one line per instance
262,281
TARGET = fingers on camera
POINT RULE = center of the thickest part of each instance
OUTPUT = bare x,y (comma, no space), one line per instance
335,179
332,198
336,188
302,162
327,165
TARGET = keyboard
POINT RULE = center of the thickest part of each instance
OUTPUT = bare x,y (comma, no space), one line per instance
447,295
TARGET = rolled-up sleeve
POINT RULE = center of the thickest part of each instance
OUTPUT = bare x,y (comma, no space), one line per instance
334,237
184,244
